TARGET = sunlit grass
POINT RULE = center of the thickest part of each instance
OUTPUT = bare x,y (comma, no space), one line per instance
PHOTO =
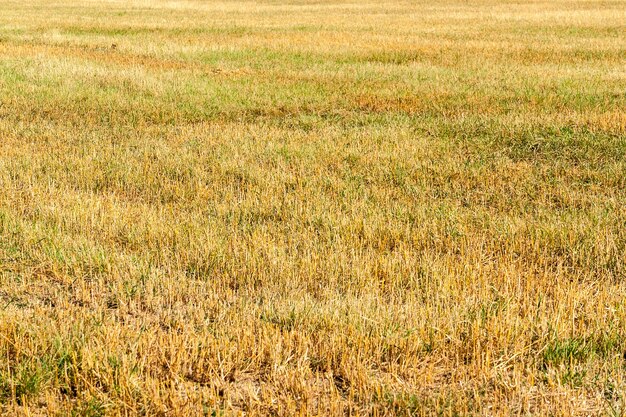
329,208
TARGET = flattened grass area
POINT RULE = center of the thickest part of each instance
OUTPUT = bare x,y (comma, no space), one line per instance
312,208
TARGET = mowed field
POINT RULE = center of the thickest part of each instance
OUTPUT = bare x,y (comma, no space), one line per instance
312,208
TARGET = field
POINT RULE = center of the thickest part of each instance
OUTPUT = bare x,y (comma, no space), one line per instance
312,207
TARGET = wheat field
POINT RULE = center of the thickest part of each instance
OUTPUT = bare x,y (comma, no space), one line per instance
389,208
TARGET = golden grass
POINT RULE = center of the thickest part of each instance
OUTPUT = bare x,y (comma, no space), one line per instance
312,208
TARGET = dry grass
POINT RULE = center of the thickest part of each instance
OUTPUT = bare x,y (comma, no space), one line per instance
312,208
